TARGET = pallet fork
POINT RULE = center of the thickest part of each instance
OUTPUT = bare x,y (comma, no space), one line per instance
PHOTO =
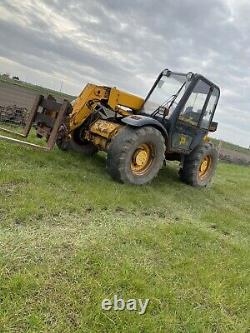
46,116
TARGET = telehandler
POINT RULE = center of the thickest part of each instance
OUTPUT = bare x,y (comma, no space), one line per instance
171,123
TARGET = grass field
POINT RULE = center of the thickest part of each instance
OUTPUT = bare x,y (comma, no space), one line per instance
70,237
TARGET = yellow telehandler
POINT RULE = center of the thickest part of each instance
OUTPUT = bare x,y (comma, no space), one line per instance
138,134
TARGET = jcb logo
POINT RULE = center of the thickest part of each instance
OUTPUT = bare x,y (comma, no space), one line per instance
183,140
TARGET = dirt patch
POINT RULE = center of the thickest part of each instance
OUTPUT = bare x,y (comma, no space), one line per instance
16,102
13,114
21,97
236,157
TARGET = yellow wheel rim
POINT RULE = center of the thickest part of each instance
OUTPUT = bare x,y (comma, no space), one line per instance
205,166
142,159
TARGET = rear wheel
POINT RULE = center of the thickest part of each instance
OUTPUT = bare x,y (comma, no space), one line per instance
199,167
135,156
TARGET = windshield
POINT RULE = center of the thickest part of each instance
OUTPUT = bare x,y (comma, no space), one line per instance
165,94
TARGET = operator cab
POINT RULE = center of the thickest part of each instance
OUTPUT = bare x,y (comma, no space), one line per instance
165,94
185,104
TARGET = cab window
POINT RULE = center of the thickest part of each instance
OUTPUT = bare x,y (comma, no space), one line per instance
192,109
208,115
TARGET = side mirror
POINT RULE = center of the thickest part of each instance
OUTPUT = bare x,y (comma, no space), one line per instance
166,112
213,126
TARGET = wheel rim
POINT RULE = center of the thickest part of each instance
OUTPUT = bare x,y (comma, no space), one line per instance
142,159
205,166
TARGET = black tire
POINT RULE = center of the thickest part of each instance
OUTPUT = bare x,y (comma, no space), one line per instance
123,148
62,144
86,148
76,144
79,145
191,172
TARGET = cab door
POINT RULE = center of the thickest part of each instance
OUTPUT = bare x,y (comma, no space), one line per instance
194,117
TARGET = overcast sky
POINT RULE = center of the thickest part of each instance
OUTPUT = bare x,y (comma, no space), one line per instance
127,43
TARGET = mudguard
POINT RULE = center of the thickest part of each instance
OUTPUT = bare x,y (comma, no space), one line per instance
139,121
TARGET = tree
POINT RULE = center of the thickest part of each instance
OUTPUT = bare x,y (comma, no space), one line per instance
6,75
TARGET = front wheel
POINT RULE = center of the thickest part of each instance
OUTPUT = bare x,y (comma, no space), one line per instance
80,145
199,167
135,155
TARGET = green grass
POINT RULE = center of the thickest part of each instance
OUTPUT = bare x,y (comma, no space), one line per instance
70,236
36,88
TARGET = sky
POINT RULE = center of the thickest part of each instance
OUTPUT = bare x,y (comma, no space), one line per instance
127,43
